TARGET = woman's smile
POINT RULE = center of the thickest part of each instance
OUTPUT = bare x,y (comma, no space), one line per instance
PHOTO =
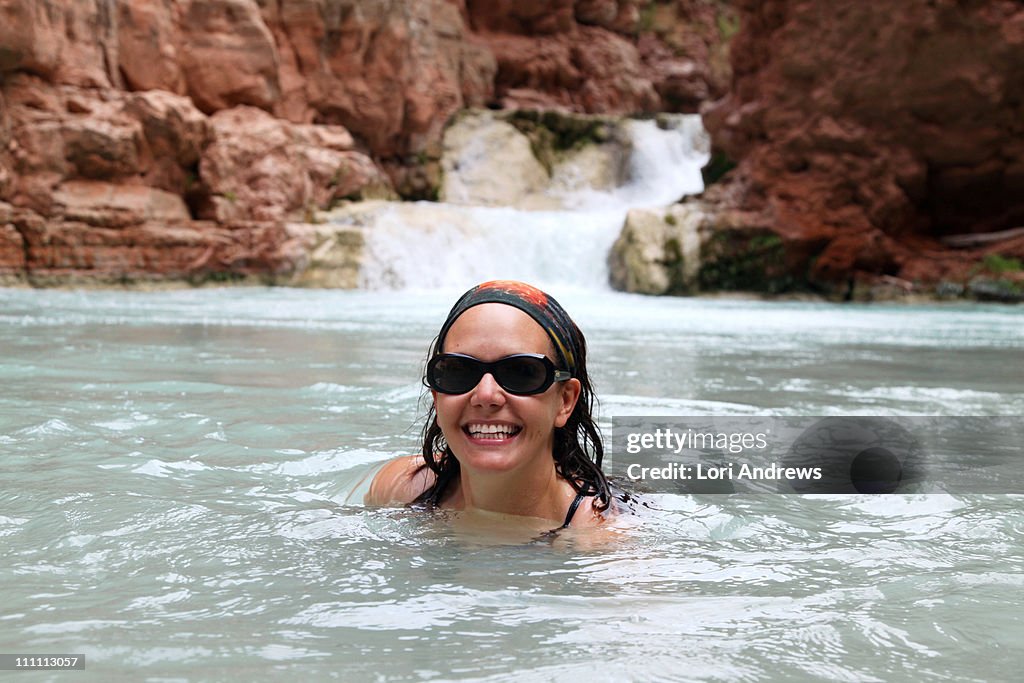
491,433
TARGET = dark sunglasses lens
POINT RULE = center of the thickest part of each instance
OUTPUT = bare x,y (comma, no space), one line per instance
522,375
454,375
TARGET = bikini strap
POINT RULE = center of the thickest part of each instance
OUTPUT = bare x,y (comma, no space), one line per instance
572,508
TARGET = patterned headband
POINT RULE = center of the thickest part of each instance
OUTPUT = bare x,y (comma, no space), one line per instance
528,299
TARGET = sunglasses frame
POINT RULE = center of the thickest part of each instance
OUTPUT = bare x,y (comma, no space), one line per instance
552,375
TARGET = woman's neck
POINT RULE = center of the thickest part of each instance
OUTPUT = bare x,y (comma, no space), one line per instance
539,493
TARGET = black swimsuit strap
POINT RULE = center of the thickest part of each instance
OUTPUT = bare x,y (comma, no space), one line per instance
572,508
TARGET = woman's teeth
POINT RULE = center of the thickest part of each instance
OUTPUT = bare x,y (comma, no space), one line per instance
480,431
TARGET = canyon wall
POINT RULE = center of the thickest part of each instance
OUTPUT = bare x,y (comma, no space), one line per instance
855,148
190,139
877,147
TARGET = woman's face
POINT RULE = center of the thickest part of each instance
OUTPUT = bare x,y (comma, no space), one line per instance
488,428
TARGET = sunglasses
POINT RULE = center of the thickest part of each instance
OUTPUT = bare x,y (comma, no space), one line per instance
523,374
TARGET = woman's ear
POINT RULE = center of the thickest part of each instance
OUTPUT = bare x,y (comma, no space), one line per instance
569,394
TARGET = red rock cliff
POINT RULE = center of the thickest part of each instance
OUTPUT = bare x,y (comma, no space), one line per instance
866,136
182,138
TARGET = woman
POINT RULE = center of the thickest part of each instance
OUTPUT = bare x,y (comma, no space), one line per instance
510,424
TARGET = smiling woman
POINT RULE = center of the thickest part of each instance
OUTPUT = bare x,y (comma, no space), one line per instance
510,429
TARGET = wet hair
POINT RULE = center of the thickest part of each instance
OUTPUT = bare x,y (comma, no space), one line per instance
578,449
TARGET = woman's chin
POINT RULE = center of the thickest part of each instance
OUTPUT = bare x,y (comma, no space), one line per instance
487,463
489,455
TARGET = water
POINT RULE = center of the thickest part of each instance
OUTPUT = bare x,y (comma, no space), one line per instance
177,469
428,245
182,472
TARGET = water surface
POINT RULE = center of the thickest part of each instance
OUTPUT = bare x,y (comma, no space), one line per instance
177,471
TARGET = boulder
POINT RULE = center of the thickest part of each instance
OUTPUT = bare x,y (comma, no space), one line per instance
258,167
532,160
489,162
658,251
696,247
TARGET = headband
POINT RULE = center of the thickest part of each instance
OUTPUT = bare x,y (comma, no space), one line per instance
542,308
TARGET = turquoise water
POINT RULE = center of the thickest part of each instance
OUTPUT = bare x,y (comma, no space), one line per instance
178,470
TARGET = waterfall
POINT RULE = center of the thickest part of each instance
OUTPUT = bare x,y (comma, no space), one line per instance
559,235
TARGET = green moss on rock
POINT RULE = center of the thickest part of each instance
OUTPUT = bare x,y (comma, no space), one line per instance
718,165
745,261
997,263
675,262
552,133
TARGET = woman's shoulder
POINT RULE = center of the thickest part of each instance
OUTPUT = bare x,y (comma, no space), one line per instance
594,510
400,481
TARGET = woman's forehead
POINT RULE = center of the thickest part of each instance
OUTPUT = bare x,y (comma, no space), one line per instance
494,329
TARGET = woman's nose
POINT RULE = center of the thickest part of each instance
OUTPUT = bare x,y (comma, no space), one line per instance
488,391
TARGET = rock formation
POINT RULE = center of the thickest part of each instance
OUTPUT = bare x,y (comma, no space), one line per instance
170,139
869,149
864,138
605,56
113,186
527,160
